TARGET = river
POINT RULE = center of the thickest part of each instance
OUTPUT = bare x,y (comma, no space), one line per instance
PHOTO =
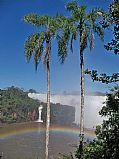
27,140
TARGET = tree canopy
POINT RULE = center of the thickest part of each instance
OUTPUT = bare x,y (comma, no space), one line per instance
81,24
110,21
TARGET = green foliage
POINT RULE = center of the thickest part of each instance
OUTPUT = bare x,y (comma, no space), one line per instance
69,34
109,130
93,150
72,6
37,20
102,77
16,106
111,20
34,46
68,156
39,43
80,24
114,44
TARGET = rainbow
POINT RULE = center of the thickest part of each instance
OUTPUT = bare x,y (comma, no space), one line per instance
21,128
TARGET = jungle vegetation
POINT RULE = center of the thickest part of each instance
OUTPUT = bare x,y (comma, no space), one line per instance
16,106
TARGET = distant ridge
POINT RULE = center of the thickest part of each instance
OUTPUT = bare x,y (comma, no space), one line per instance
87,93
96,94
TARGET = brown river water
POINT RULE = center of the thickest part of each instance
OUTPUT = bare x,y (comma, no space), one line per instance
27,140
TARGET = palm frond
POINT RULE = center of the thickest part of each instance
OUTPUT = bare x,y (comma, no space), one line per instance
61,16
74,34
100,31
38,53
71,43
91,39
93,26
95,13
54,25
72,6
79,13
69,30
34,47
37,20
60,19
63,41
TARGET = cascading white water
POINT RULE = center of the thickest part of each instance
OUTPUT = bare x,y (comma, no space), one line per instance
40,111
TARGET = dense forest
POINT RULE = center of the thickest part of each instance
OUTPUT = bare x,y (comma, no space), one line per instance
16,106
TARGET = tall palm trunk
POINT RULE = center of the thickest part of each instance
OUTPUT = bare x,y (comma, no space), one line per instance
82,89
48,102
80,149
82,95
82,80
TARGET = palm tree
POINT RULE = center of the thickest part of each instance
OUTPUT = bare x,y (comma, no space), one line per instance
38,45
80,25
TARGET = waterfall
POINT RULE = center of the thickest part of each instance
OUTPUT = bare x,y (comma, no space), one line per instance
93,105
40,111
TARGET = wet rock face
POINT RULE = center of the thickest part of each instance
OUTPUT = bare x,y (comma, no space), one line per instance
60,114
21,116
34,115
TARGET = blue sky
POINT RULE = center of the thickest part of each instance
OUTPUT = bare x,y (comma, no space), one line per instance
15,71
